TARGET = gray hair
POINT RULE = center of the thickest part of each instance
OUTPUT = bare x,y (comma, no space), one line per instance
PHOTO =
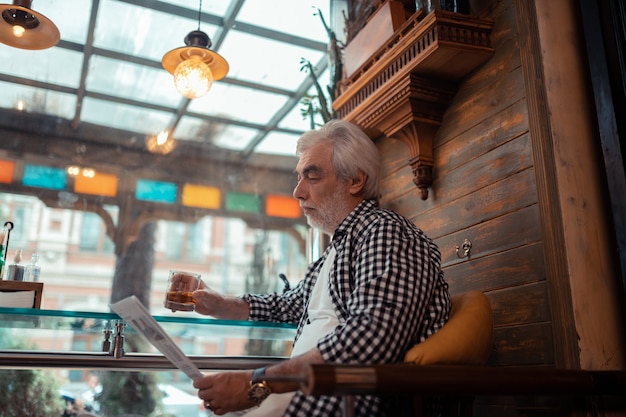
353,152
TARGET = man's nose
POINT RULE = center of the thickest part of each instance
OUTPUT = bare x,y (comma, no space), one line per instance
298,191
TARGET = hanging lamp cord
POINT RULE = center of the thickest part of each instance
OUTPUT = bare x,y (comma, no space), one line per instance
199,14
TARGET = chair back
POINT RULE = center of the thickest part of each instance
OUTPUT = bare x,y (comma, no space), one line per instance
466,339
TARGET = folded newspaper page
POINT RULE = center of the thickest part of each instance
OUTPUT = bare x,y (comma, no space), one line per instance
135,314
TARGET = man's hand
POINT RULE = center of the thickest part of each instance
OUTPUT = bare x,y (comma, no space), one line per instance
211,303
225,391
207,301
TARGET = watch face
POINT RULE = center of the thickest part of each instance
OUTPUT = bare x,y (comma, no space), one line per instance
258,392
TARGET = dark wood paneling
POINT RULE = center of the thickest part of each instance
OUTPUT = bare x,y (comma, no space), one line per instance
530,344
507,269
494,131
520,305
485,190
499,198
502,162
471,106
486,161
497,235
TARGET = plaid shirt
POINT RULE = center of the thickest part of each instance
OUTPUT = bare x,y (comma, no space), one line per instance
388,291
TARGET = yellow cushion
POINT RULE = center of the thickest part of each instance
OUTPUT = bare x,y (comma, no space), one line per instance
465,339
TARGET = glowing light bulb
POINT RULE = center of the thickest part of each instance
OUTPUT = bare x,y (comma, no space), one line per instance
161,143
18,31
89,173
162,138
193,78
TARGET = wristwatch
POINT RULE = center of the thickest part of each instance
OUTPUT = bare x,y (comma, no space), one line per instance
259,389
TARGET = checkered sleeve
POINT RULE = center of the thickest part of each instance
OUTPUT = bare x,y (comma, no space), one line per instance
274,307
287,307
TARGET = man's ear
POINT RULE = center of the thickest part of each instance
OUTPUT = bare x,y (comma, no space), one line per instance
358,183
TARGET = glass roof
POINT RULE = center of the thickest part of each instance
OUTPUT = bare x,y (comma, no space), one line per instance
106,70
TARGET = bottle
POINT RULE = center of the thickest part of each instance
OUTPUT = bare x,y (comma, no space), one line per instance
457,6
3,235
428,5
33,269
16,271
1,260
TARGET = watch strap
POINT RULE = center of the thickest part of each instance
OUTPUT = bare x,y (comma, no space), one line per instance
259,390
258,375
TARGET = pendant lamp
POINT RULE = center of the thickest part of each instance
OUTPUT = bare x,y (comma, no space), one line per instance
195,66
22,27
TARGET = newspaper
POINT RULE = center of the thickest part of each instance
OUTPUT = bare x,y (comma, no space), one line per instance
135,314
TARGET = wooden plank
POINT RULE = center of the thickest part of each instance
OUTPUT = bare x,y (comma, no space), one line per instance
530,344
510,123
488,169
500,234
470,106
505,196
524,304
494,86
514,267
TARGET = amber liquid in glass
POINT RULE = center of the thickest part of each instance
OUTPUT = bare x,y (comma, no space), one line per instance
179,300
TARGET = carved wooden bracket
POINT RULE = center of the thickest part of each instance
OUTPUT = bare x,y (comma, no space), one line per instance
419,139
404,89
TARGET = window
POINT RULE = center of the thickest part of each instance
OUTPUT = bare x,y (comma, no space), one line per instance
89,232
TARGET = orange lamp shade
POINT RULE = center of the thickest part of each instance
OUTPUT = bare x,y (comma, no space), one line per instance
7,169
282,206
100,184
201,196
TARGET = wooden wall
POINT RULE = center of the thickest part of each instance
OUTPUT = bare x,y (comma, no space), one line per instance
484,190
511,176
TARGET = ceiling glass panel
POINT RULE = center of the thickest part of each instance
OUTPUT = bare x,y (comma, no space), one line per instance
140,31
215,133
37,100
266,61
53,65
295,120
302,16
263,47
132,81
216,7
70,16
195,129
238,103
122,116
235,138
278,143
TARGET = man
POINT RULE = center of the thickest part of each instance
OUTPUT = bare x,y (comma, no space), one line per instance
377,290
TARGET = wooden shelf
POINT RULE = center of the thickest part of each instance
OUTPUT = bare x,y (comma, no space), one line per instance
8,286
403,90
